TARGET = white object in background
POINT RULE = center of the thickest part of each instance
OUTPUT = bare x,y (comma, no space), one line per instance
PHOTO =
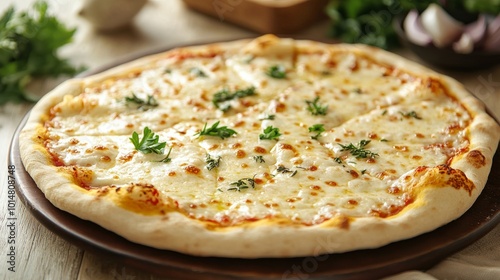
443,29
108,15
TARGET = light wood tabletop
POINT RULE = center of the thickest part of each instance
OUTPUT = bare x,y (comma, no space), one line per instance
41,254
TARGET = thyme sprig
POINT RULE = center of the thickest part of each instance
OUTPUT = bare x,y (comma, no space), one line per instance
283,170
359,151
242,184
221,98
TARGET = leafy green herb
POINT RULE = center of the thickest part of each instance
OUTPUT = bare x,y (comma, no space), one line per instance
212,162
268,117
242,184
338,160
359,151
270,133
363,171
315,108
283,170
221,98
384,140
369,21
198,72
167,159
28,49
259,159
318,128
411,114
141,103
277,72
150,142
222,132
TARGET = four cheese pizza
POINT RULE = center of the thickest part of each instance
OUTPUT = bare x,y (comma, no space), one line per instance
269,147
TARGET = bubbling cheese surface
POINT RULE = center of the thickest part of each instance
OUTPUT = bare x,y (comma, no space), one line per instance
404,122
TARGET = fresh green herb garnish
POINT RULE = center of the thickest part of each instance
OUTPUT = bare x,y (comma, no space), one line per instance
315,108
222,132
29,44
338,160
242,184
221,97
150,142
268,117
283,170
359,151
384,140
363,171
270,133
167,159
198,72
142,104
318,128
212,162
411,114
277,72
259,159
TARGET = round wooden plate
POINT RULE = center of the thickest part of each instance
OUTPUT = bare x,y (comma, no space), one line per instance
417,253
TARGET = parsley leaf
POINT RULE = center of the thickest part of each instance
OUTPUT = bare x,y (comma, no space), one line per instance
318,128
277,72
150,142
359,151
215,130
259,159
198,72
315,108
270,133
28,49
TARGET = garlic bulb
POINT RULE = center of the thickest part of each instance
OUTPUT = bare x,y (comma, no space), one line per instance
107,15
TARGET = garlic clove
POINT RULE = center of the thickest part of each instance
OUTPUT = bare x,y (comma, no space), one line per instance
477,30
443,29
464,45
414,30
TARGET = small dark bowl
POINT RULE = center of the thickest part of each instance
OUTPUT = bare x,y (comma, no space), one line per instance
446,57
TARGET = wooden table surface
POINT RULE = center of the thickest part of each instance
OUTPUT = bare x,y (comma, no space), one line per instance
39,253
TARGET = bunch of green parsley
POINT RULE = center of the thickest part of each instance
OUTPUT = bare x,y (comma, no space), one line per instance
28,49
370,21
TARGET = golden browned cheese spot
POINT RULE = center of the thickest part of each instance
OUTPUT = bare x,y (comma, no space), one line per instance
191,169
443,176
476,159
331,183
128,156
259,150
240,154
81,176
139,198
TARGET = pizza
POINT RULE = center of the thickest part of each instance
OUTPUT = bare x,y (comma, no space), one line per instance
266,147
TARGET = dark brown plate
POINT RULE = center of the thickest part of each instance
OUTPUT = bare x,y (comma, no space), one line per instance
417,253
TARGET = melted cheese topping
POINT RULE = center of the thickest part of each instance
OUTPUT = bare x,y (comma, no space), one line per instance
404,121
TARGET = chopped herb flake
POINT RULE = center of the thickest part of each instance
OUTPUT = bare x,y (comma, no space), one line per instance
318,128
242,184
270,133
142,104
315,108
277,72
212,162
259,159
221,98
411,114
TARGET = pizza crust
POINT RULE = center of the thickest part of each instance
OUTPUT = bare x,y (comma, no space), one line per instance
434,205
